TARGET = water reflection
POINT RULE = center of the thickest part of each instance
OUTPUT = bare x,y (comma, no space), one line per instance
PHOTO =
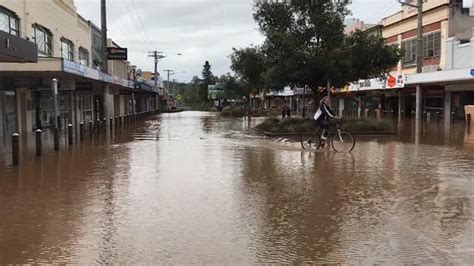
197,188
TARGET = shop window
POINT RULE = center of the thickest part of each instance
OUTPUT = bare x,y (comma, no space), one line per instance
67,49
83,56
9,21
43,38
434,102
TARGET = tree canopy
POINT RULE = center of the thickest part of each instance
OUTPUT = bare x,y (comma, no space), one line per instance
207,79
305,44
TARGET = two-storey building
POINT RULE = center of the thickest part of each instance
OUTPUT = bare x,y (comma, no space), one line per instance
69,48
442,19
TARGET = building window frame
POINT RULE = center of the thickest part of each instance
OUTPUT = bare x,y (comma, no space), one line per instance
409,47
67,49
11,23
43,37
83,56
431,48
432,45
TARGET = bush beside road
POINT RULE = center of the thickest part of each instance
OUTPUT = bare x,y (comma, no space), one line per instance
305,125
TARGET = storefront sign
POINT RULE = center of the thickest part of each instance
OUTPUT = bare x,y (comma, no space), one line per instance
114,53
84,71
367,85
433,91
397,81
455,75
80,70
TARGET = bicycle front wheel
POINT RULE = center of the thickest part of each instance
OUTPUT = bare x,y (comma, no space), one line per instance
310,141
343,142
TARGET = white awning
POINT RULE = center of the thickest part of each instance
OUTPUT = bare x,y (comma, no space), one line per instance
448,76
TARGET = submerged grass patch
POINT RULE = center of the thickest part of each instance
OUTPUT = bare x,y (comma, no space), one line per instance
239,111
304,125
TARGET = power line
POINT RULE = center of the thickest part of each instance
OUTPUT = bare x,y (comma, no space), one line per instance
145,29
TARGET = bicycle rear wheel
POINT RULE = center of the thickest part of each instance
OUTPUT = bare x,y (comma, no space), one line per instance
310,141
343,142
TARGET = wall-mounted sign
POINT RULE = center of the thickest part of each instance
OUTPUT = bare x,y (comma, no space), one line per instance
114,53
397,81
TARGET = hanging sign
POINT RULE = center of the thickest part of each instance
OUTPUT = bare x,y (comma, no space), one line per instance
114,53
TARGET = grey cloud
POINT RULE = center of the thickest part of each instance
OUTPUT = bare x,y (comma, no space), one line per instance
199,29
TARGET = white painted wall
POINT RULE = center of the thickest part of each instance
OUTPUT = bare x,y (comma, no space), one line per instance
459,56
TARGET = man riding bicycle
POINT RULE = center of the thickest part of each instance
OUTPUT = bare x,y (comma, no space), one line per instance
322,116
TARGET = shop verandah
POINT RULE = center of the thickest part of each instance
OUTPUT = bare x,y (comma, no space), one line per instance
84,94
438,102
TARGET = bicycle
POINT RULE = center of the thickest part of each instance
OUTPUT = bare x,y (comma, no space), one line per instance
341,141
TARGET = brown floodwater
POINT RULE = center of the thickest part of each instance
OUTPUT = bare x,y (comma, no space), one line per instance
196,188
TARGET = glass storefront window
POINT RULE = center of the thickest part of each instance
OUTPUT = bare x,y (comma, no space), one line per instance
435,102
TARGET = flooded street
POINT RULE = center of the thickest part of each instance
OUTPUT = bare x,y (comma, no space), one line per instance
196,188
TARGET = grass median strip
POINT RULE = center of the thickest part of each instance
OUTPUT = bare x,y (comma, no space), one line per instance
305,125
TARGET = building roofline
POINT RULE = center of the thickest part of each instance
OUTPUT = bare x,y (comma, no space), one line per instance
83,18
412,16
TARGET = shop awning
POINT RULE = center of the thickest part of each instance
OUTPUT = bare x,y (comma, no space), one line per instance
447,76
60,67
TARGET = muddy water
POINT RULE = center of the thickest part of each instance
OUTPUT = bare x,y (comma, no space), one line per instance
196,188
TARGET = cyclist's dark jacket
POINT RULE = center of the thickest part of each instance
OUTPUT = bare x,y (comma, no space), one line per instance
324,112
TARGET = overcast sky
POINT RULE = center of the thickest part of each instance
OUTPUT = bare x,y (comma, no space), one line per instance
198,29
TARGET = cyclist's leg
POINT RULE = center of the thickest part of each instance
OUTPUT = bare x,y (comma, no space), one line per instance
332,124
325,126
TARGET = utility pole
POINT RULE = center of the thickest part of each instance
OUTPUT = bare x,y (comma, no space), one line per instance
105,69
419,52
103,16
170,72
156,55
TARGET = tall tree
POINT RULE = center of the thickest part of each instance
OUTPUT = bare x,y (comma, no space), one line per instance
249,66
305,44
208,79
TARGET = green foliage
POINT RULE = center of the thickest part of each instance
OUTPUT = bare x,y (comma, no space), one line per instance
239,111
207,76
233,111
299,125
367,125
370,50
232,86
207,79
191,94
249,66
294,125
305,44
